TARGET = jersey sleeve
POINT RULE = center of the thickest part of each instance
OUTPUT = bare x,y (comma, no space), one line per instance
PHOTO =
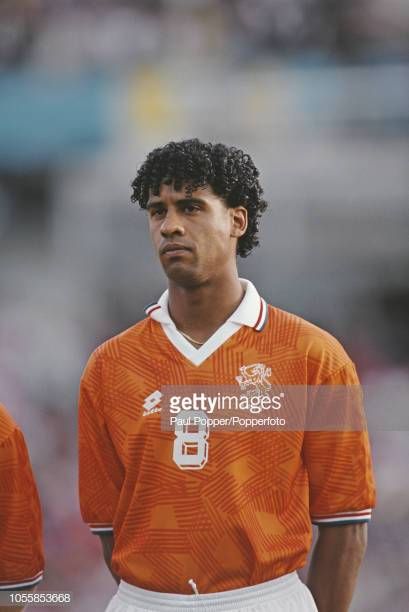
21,546
339,466
100,470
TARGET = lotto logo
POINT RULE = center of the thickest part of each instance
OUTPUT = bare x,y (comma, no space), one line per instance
151,402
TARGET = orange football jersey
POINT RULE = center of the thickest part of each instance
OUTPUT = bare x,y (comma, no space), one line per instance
243,515
21,547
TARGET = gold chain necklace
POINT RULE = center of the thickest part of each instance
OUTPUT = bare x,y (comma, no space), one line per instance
190,339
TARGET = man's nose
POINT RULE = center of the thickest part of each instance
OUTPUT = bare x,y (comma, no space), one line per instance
171,224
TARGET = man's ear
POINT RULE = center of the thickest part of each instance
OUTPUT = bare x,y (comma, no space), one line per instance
239,221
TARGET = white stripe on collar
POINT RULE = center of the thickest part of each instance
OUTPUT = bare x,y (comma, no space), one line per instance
252,311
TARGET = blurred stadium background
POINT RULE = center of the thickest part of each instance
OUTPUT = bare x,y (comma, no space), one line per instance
318,92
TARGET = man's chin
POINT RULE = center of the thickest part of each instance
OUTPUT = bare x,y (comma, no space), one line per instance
181,274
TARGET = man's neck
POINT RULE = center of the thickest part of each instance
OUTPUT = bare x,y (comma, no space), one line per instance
200,311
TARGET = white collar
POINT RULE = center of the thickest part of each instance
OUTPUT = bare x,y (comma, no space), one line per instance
252,311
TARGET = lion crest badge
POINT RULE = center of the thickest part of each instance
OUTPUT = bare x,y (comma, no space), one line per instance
253,378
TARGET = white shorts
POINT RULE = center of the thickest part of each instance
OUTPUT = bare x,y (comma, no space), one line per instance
284,594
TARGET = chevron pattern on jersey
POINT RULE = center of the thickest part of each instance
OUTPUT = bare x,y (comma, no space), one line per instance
245,516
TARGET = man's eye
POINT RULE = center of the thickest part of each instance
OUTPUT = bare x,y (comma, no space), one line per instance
157,212
191,207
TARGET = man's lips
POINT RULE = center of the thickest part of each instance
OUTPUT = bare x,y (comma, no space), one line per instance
173,248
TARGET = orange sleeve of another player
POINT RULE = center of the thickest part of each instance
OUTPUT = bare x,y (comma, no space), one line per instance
339,465
21,547
100,470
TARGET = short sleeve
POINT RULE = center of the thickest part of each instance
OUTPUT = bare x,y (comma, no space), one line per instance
339,466
100,469
21,546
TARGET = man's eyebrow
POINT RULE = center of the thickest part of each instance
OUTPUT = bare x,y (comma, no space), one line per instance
154,204
188,200
181,202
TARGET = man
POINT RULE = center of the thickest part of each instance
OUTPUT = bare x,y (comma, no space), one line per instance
21,547
221,519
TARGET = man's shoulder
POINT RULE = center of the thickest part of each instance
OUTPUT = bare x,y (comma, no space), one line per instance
290,325
7,424
306,340
130,336
130,341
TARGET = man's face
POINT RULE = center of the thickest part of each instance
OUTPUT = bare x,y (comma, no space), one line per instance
195,235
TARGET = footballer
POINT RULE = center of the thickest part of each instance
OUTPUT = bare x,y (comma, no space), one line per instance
217,520
21,546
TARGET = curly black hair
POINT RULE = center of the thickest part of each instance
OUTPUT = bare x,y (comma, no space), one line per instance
230,173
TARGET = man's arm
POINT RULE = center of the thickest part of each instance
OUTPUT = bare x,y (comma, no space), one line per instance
107,541
335,564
